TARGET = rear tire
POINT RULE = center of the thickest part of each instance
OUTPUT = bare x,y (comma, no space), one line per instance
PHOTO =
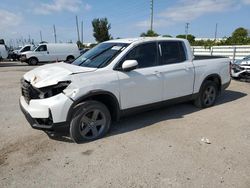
207,95
70,58
91,120
33,61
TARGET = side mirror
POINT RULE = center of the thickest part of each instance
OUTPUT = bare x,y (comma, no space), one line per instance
129,65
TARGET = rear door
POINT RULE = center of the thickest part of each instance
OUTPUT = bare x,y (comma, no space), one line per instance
176,69
143,85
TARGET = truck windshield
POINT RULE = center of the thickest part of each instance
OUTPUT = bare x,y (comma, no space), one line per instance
33,48
101,55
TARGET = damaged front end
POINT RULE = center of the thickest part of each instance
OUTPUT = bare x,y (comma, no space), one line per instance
240,71
40,105
30,92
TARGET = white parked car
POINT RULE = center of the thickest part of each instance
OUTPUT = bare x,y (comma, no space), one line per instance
117,78
3,52
51,52
241,68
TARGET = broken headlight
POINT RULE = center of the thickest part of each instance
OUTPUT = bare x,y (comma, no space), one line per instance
53,90
237,68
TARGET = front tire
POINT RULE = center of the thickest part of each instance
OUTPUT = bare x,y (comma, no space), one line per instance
91,120
33,61
207,95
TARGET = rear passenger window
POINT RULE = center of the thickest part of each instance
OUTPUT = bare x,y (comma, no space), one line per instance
145,54
172,52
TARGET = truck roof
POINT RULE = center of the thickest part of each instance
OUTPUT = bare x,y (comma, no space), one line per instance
143,39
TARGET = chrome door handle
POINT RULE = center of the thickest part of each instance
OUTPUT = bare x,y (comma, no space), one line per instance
187,68
157,73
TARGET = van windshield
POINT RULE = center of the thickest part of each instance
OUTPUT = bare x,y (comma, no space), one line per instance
101,55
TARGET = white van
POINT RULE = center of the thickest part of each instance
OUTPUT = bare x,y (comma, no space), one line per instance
51,52
3,52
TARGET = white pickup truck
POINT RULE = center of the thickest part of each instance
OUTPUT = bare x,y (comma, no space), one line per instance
117,78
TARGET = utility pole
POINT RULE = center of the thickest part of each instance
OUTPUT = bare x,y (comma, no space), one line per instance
186,29
22,40
152,15
215,34
41,36
77,29
82,31
55,32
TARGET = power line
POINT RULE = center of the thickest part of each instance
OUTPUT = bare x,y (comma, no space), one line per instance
186,29
55,33
215,34
77,29
82,31
152,15
41,36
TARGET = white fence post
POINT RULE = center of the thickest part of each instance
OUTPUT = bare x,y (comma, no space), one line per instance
234,53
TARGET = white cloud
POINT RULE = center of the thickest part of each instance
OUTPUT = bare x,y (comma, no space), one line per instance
87,7
58,6
246,2
188,10
9,19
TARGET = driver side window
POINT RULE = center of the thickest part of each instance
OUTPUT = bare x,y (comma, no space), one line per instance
42,48
145,54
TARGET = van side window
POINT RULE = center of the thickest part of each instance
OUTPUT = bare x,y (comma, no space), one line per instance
172,52
145,54
42,48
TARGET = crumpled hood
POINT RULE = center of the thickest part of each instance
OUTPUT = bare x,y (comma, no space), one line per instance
244,62
51,74
16,51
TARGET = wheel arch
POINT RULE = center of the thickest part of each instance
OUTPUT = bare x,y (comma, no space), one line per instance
70,57
215,78
105,97
33,57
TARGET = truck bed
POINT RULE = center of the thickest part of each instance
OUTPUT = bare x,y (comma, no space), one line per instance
202,57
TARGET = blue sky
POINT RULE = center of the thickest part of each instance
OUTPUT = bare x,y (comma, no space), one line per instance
21,18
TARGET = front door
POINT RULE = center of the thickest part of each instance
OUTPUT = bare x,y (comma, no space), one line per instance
42,53
143,85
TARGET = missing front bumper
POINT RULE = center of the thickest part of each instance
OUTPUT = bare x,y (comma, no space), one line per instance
45,124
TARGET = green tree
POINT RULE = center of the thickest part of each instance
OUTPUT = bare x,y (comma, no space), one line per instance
240,32
169,36
101,28
150,33
239,36
190,38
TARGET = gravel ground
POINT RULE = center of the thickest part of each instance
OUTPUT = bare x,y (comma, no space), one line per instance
161,148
